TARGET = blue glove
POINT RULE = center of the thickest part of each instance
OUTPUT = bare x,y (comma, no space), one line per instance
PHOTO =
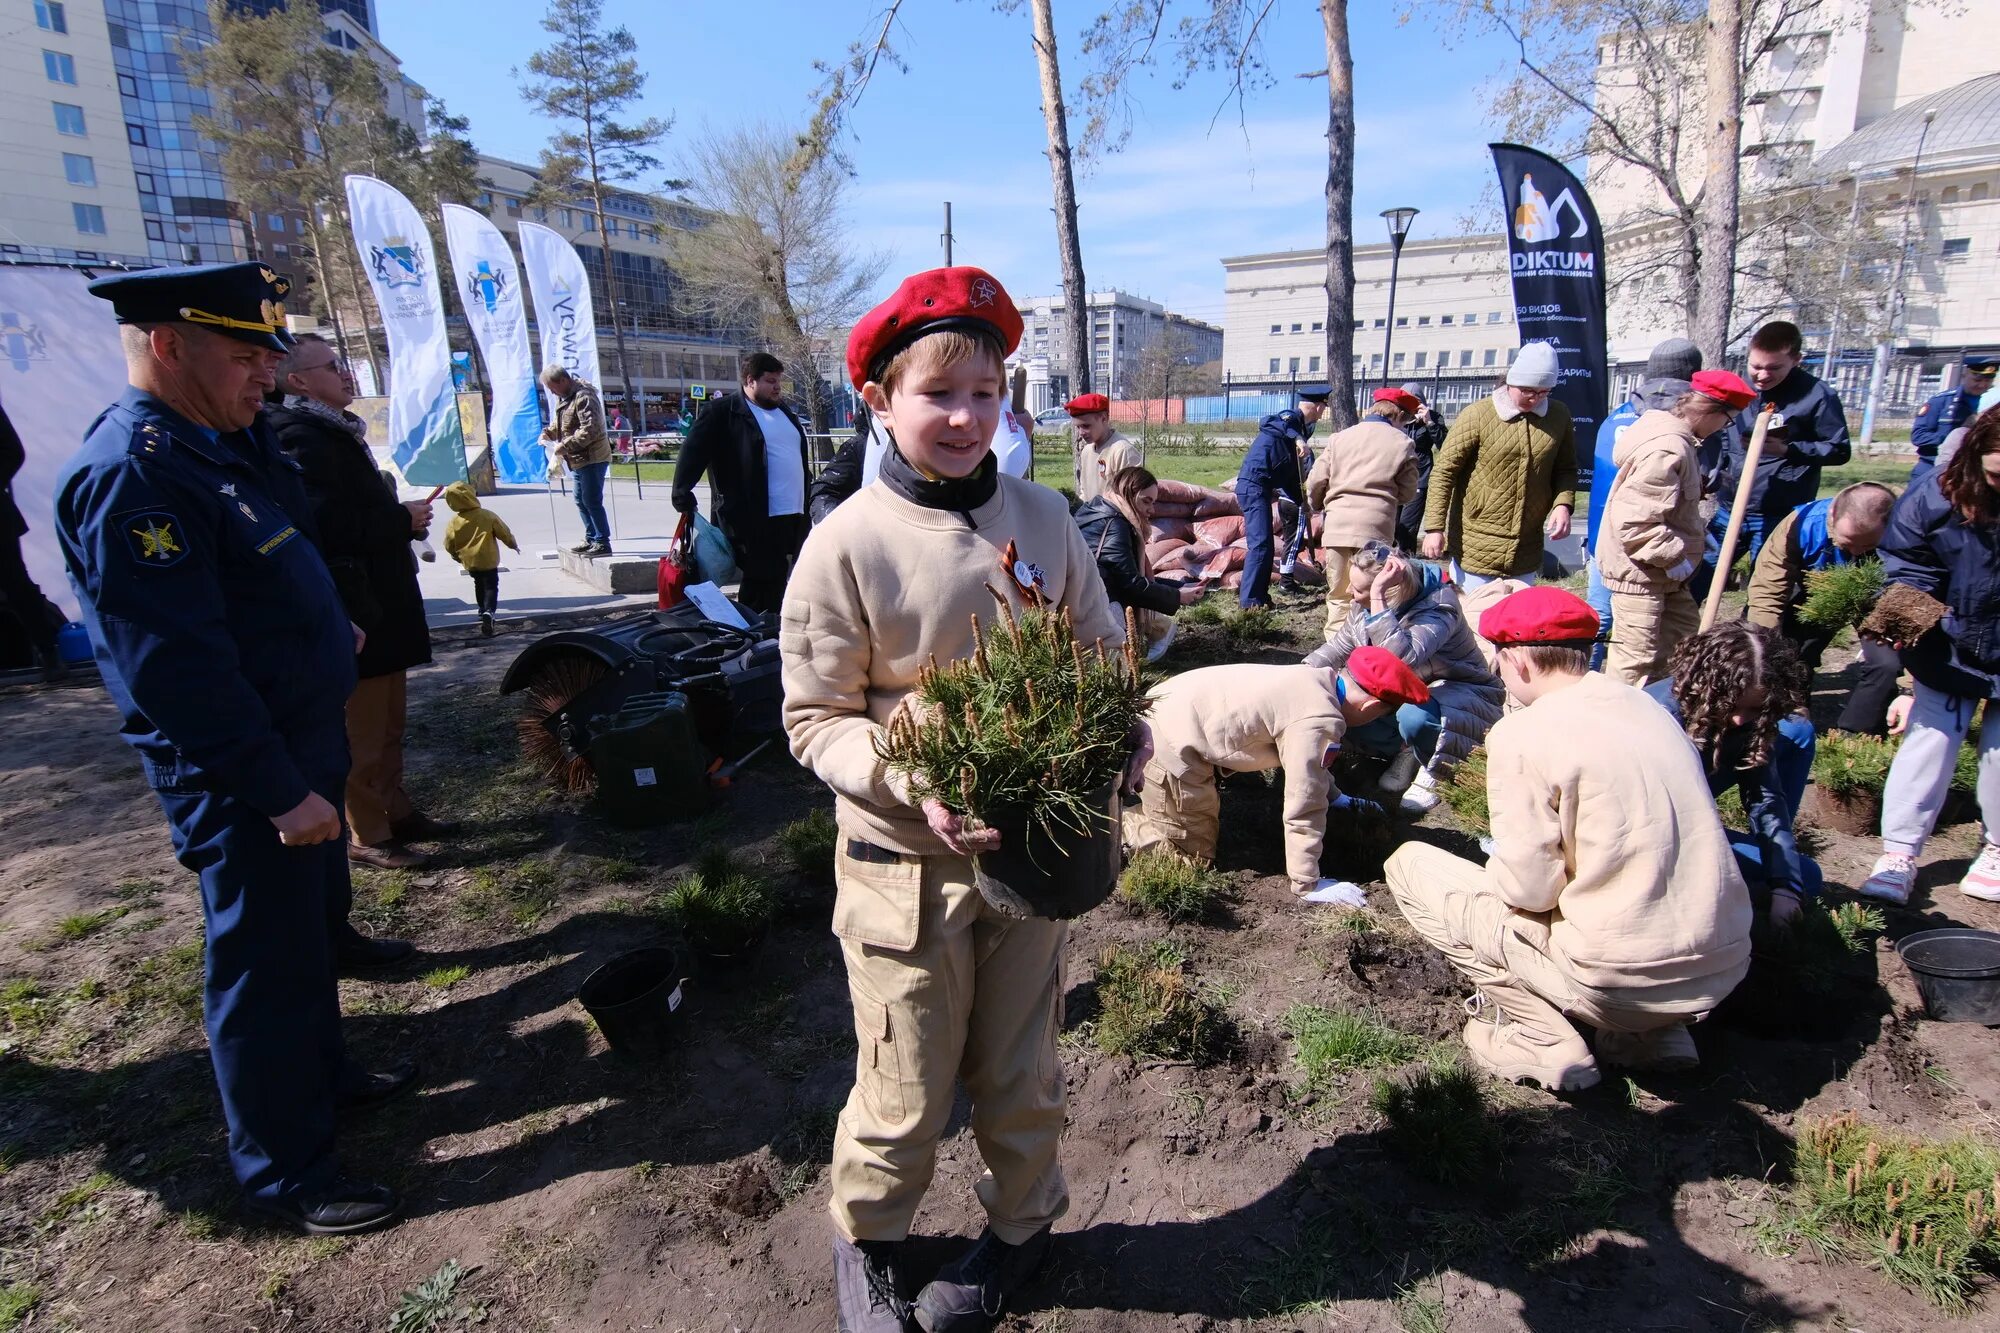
1343,801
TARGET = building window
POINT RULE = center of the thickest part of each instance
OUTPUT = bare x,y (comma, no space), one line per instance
145,180
567,219
1979,192
128,86
1489,357
1402,321
1399,361
60,68
1950,195
1277,328
79,170
1380,322
135,134
1274,365
69,120
513,207
1294,367
1957,247
89,219
49,16
1357,324
1312,364
1375,361
1465,358
1492,316
1420,359
1444,319
1297,328
1423,320
486,199
590,222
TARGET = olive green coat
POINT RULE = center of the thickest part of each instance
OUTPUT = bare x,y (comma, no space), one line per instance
1496,479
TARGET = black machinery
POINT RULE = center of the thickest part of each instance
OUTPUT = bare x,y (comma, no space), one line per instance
576,684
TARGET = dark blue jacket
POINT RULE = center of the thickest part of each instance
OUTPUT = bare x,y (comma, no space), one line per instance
1764,806
1939,417
1931,548
1817,427
217,626
1272,461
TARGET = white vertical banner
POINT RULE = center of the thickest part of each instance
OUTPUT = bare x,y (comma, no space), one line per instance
426,439
489,286
563,311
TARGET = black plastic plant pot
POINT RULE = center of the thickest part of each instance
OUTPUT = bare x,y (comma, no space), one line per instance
635,998
1051,869
720,944
1957,970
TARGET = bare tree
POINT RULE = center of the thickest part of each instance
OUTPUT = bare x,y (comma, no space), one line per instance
1339,212
1716,218
1076,295
772,251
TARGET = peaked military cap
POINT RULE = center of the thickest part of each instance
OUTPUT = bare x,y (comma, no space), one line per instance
1317,393
242,301
1982,361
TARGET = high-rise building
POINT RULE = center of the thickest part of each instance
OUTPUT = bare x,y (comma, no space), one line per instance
1123,329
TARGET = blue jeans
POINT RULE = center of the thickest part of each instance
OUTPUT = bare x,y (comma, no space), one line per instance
1415,725
1599,598
590,502
1468,580
1791,765
1256,588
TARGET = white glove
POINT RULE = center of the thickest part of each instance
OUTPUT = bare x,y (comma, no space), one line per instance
1336,893
1682,572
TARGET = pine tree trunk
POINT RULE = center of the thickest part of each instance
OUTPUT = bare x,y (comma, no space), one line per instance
1075,295
1718,220
1339,214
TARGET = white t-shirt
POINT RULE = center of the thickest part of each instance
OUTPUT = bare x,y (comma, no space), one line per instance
784,469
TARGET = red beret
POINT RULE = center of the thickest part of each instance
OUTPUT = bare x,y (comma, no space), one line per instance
1539,616
1386,676
1087,402
939,298
1409,402
1725,388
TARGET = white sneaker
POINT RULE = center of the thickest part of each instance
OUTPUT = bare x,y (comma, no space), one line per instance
1892,879
1422,796
1983,880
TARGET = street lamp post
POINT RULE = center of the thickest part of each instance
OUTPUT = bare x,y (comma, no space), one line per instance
639,393
1830,371
1882,348
1399,227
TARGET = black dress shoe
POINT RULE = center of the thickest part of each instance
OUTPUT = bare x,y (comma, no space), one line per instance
350,1206
421,827
355,952
361,1092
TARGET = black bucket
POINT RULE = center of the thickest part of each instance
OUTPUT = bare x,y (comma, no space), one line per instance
1052,870
1958,972
633,998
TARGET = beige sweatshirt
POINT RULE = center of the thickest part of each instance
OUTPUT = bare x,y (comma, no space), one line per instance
1251,718
883,584
1618,845
1098,463
1363,476
1650,538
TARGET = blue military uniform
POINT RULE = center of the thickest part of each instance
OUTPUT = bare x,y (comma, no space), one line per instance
222,640
1270,468
1945,413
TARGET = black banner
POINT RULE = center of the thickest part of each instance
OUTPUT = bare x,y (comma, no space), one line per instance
1555,251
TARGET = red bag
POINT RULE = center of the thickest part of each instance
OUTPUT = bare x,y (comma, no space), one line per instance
676,568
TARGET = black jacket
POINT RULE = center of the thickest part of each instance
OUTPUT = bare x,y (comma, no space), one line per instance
13,456
364,533
727,444
838,479
1816,428
1121,560
1930,547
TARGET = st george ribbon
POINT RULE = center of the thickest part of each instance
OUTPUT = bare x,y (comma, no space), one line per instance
1555,251
489,287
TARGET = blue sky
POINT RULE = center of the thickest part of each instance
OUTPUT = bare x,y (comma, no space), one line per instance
964,123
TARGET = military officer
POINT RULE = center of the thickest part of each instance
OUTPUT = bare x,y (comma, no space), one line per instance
1272,466
222,641
1951,409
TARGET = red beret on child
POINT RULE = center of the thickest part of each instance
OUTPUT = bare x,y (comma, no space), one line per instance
1725,388
939,298
1409,402
1087,402
1539,617
1386,676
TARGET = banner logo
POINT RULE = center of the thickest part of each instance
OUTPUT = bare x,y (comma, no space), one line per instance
1555,255
21,343
397,263
486,287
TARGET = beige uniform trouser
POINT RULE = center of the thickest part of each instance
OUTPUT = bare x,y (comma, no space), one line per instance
1505,953
945,988
1339,585
375,719
1182,809
1645,630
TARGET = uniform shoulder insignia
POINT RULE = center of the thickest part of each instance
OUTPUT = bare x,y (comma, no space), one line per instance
153,536
148,438
1922,410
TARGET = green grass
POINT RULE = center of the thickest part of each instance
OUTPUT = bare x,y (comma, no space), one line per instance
17,1301
808,846
1437,1119
23,1006
434,1303
1161,881
1418,1311
1466,794
522,895
171,982
444,978
73,1200
83,925
1150,1006
1335,1041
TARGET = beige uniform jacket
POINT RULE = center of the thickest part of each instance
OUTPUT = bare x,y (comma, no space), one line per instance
1251,718
1603,824
1775,577
1363,476
1098,463
580,438
1650,537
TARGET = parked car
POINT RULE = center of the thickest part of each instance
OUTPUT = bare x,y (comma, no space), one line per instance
1052,416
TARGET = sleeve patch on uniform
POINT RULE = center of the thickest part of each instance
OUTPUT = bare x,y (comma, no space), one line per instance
277,540
154,537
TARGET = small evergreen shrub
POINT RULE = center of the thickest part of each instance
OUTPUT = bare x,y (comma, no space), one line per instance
808,845
1849,764
1466,794
1841,595
720,906
1437,1119
1151,1007
1162,881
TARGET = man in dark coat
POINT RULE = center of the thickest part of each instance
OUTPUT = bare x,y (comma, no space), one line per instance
753,451
1812,435
365,534
17,590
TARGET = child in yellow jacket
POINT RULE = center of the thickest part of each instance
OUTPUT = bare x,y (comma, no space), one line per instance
473,539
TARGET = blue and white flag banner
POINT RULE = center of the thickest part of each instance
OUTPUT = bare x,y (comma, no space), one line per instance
563,312
489,287
426,439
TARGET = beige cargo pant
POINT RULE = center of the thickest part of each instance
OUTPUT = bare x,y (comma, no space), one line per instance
1645,630
1505,953
944,989
1179,807
1339,585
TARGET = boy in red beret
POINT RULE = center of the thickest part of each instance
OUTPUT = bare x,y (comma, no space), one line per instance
1101,452
1248,719
944,988
1612,895
1649,540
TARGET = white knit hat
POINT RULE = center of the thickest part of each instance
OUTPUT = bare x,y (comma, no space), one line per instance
1534,368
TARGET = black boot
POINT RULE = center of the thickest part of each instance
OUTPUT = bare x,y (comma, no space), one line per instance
969,1293
868,1286
350,1206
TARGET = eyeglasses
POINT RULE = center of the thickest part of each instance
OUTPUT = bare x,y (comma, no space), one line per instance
338,366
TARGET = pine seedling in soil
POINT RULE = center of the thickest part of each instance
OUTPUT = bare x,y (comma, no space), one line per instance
1921,1210
1028,730
808,845
1848,764
1438,1121
1841,595
1808,968
720,906
1162,881
1150,1006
